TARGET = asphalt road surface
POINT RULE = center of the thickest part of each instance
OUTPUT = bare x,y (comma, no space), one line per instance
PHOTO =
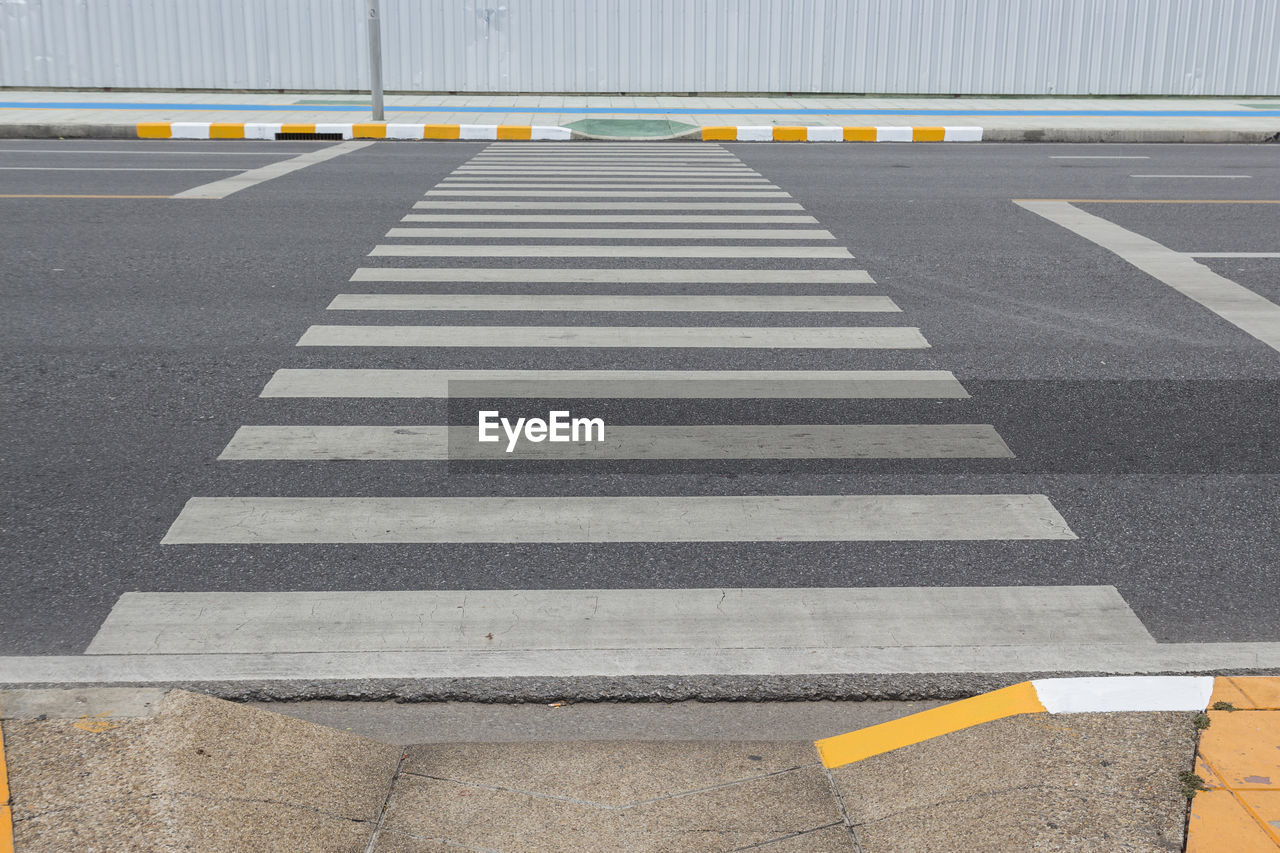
980,391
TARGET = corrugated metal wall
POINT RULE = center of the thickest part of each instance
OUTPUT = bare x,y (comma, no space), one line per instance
1178,47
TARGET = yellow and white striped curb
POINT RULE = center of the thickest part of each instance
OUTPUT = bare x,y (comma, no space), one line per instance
770,133
1045,695
348,130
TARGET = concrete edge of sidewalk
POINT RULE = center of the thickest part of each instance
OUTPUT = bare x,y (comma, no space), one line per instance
489,132
945,686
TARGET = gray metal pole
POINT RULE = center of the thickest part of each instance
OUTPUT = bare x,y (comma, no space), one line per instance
375,58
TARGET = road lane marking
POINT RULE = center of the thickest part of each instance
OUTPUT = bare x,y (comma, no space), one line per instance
646,337
781,518
112,169
1235,177
253,177
583,218
1156,200
148,150
438,443
594,302
1232,254
177,623
619,384
537,275
630,193
1098,157
76,195
619,251
626,233
596,185
606,205
1238,305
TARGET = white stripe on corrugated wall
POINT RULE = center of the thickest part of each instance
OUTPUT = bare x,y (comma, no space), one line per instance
1177,47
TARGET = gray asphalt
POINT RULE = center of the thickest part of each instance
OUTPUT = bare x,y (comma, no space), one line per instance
138,334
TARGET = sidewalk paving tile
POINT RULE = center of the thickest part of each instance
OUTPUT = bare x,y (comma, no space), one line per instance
617,796
1062,782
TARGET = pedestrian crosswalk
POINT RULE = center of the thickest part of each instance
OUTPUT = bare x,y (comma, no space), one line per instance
600,237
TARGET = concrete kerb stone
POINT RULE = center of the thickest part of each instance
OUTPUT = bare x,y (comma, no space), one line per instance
764,133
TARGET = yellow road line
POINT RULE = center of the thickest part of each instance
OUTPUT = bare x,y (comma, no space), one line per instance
895,734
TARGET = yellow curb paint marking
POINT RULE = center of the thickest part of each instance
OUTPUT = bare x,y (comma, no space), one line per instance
96,724
927,134
1239,760
441,131
369,130
719,134
1219,822
1262,693
847,748
297,128
226,130
859,134
791,134
514,131
154,130
6,814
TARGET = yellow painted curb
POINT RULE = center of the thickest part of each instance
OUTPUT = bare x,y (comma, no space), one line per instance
297,128
226,130
154,130
441,131
6,811
719,134
859,134
514,131
847,748
368,130
927,134
790,134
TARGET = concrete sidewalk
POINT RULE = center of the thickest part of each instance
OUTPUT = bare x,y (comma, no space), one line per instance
78,113
125,770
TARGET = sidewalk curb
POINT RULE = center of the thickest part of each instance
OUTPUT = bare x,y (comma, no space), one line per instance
732,133
1043,695
6,807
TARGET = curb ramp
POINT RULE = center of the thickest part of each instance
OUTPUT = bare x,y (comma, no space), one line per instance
1056,764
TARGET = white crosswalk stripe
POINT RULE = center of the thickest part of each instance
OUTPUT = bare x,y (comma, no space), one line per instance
618,384
620,275
605,205
855,441
521,250
780,518
576,302
738,337
623,233
684,219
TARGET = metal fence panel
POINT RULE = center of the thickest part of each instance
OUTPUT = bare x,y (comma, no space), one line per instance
999,47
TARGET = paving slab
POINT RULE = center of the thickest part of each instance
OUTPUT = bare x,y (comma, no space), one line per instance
1097,781
605,796
160,781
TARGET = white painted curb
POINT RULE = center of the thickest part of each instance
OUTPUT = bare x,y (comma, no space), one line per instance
1124,693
